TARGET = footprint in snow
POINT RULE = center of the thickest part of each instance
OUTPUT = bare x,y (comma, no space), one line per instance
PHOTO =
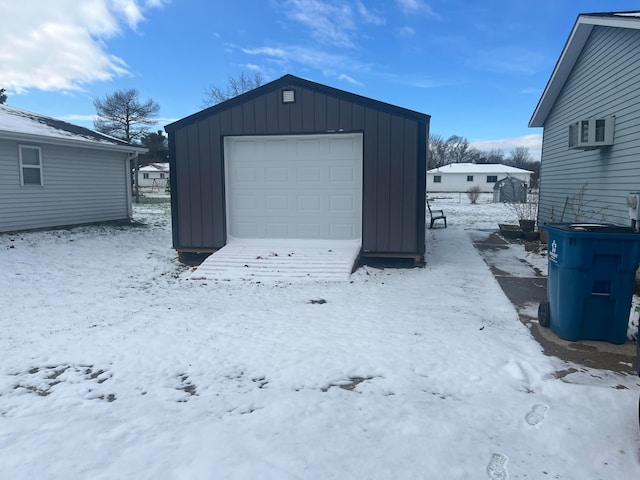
536,414
496,470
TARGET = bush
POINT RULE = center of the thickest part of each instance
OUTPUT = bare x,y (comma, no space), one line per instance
474,193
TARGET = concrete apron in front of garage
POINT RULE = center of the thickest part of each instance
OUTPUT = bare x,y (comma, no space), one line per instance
526,287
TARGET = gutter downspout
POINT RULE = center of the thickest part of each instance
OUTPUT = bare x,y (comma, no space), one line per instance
134,157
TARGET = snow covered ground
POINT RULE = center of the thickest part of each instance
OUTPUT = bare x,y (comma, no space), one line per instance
115,365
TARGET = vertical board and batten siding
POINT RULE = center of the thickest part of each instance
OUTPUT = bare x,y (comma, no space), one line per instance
605,81
80,186
394,160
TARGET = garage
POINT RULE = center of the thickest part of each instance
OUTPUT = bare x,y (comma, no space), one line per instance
303,186
297,160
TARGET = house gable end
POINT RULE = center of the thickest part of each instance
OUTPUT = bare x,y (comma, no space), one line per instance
571,52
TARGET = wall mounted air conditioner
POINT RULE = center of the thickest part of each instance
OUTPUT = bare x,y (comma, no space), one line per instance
591,133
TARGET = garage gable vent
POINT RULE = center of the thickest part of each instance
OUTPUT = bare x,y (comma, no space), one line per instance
288,96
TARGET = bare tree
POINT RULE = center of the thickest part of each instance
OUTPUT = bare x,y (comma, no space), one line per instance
495,156
437,151
520,157
123,116
235,86
459,149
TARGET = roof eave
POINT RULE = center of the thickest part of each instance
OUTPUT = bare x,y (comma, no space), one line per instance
30,137
570,53
279,83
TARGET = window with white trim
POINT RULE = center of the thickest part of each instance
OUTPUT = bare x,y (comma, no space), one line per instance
437,178
145,176
591,133
492,178
30,165
469,178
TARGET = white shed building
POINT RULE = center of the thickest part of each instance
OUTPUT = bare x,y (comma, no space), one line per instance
459,177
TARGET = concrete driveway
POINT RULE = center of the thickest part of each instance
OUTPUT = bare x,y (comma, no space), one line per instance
525,284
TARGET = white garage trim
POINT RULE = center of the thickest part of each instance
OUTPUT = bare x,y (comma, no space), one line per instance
294,186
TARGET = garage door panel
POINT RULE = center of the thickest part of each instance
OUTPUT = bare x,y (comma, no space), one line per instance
294,187
276,174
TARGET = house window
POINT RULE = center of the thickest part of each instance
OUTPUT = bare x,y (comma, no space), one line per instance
145,176
584,131
162,176
469,178
600,128
592,133
573,135
492,178
30,165
437,178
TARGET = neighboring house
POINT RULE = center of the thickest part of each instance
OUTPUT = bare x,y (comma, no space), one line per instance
460,177
53,173
591,118
297,159
154,176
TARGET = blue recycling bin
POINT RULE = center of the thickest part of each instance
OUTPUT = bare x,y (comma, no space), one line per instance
590,282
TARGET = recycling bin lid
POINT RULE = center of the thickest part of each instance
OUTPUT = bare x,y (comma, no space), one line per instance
592,227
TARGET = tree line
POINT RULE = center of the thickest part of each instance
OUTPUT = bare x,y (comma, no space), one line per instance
456,149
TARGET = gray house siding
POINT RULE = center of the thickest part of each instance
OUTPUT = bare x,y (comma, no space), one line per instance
394,161
604,81
80,185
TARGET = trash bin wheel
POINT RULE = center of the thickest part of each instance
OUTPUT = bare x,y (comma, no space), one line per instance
544,314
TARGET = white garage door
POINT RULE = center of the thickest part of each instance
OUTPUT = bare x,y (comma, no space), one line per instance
304,186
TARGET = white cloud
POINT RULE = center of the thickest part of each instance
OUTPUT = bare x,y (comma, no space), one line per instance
61,45
307,57
415,6
331,22
406,31
348,79
533,142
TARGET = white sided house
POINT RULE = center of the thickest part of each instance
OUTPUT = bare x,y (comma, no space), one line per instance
459,177
154,176
53,173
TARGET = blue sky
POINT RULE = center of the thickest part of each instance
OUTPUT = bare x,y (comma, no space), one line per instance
477,67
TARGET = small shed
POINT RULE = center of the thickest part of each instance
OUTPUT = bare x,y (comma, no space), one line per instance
294,159
510,190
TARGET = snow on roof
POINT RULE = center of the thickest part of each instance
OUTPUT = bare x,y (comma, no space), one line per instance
16,123
478,168
155,167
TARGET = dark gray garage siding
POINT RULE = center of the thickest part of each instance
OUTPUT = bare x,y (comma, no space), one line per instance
394,160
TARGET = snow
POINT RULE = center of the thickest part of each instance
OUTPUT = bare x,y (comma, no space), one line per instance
281,260
116,365
478,168
17,121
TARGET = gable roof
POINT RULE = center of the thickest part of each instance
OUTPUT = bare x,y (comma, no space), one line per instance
155,167
478,168
21,125
571,51
286,81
